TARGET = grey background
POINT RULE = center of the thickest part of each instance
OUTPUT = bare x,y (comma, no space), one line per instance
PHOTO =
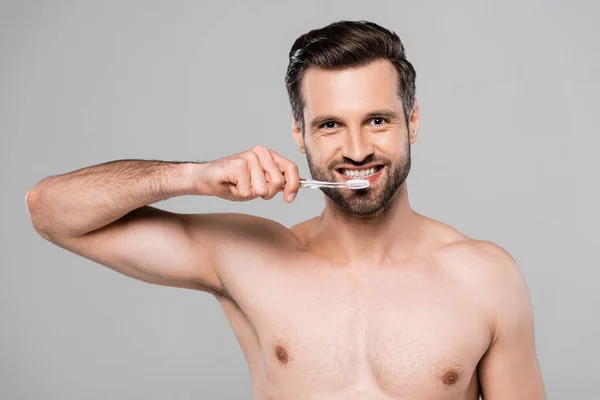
507,152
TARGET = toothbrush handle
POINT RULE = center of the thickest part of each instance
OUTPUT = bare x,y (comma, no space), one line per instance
312,184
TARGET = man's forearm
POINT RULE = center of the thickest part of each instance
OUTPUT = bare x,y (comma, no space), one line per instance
82,201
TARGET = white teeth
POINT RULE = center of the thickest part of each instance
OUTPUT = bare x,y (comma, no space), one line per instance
359,173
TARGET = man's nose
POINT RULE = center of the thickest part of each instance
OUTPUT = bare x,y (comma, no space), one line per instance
357,145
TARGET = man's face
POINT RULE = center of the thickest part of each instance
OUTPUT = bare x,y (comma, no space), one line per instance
355,129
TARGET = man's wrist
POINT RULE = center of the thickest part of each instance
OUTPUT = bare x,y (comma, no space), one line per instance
186,178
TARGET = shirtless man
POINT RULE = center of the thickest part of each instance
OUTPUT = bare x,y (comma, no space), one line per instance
369,300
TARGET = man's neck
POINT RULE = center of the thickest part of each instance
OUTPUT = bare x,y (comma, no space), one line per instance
354,239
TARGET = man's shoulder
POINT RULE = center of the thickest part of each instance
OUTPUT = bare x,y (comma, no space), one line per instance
477,252
478,259
487,272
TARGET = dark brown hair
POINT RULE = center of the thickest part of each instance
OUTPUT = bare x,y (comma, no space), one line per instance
347,44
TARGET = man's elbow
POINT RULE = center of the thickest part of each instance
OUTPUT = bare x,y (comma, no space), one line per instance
33,203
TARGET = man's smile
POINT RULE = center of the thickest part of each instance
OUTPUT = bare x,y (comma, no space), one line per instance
370,172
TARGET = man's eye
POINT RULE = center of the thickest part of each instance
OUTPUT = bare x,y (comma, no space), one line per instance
329,125
379,121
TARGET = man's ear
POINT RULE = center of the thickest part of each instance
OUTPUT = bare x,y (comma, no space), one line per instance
297,133
413,122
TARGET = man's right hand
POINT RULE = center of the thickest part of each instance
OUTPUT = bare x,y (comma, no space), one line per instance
259,172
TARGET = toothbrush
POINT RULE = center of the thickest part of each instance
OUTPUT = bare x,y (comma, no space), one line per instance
349,184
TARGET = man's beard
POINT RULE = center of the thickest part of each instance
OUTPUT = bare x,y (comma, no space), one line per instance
368,201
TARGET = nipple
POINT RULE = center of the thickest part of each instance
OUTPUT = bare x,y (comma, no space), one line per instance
281,354
450,377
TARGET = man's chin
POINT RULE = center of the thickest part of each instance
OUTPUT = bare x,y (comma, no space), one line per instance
360,207
365,213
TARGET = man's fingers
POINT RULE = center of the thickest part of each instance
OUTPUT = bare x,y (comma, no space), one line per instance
263,172
292,177
242,186
258,180
272,171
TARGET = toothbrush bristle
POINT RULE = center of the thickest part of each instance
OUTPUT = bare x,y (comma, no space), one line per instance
357,183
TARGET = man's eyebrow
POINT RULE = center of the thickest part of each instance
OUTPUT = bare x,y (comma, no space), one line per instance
320,119
384,113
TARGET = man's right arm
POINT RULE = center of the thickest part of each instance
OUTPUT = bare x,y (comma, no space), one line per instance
102,213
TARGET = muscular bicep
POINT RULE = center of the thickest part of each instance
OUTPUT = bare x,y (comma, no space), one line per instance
509,369
193,251
154,246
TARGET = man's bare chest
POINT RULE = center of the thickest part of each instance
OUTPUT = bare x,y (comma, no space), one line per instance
399,332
